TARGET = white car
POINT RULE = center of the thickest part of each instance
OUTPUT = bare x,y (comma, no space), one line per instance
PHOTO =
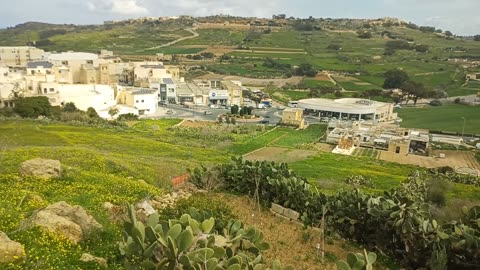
207,112
169,112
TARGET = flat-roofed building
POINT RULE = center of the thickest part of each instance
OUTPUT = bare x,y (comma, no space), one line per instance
349,109
19,56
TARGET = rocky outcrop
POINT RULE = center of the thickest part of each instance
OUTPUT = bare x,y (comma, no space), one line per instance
90,258
47,168
10,251
160,202
72,222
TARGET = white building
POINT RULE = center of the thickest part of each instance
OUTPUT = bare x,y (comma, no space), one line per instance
97,96
144,100
19,56
167,90
349,109
10,82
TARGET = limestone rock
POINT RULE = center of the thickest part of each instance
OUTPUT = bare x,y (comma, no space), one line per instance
90,258
10,250
108,206
72,222
47,168
277,208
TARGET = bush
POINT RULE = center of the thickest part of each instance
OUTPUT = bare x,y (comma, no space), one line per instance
69,107
92,113
32,107
435,102
436,192
73,116
127,117
364,34
7,112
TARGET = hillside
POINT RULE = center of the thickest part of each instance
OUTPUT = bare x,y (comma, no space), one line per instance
428,55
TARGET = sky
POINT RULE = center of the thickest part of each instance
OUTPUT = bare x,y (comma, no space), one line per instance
459,16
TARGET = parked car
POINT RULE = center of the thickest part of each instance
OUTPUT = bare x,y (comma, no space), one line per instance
265,122
207,112
169,112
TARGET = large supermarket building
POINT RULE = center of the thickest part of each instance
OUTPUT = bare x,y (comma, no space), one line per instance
348,109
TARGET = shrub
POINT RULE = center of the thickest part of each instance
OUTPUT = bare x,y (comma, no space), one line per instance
127,117
73,116
92,113
435,102
32,107
69,107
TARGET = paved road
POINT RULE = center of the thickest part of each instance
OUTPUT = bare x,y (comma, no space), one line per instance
273,115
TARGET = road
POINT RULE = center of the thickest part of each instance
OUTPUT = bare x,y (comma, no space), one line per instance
273,115
191,30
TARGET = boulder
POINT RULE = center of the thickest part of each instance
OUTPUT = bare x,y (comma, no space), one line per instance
90,258
47,168
10,251
72,222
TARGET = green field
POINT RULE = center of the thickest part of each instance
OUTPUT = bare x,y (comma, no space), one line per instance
329,170
295,138
443,118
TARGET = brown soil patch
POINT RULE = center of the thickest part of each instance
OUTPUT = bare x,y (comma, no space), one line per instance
280,154
454,159
322,77
196,124
290,242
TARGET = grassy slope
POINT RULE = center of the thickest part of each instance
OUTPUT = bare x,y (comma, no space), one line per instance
445,118
98,166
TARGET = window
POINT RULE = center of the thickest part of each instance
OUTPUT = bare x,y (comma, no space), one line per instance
90,62
136,101
65,63
45,90
33,72
52,90
30,88
143,101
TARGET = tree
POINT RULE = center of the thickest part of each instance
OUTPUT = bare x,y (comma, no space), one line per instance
32,107
113,111
448,33
234,109
476,37
395,78
92,113
414,91
70,107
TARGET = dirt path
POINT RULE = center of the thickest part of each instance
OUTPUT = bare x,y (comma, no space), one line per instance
191,30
